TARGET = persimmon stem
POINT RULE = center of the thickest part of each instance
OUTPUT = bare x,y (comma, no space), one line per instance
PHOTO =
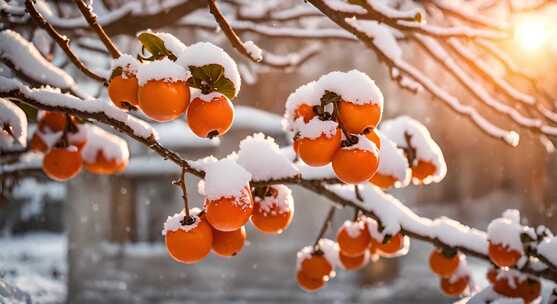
324,227
358,194
182,184
409,150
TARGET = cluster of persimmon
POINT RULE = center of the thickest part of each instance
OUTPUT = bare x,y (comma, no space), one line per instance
220,226
162,87
449,265
512,284
62,138
357,241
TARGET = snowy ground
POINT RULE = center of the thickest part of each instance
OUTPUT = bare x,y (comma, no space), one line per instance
36,264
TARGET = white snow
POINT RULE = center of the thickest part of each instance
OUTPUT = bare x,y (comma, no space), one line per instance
383,36
330,249
316,128
13,118
225,178
363,144
282,203
506,230
27,59
111,146
353,86
203,53
426,148
548,248
127,62
174,222
53,97
253,50
176,134
353,229
260,155
305,94
165,70
393,162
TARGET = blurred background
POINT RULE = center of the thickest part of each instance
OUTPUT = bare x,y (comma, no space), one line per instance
97,239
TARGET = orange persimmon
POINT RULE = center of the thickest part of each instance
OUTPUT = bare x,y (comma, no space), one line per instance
358,118
319,151
503,256
443,265
210,118
190,245
383,181
61,164
229,213
103,165
162,100
454,288
423,169
123,90
317,267
353,239
228,243
354,166
308,283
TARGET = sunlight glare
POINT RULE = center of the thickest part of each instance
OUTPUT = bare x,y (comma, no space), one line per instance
531,34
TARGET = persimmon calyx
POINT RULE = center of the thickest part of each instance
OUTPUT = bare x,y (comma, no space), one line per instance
210,78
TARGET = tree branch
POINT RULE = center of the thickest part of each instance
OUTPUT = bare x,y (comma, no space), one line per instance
91,18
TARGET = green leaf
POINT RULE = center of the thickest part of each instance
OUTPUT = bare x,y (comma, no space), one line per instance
226,87
155,45
210,78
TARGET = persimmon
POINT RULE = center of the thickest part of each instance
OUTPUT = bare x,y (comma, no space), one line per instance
502,287
491,275
354,262
529,289
61,164
383,181
319,151
353,239
52,122
228,243
305,111
357,118
103,165
454,287
316,266
390,246
191,242
354,166
269,216
308,283
38,144
502,255
374,137
163,100
122,90
229,213
423,169
210,118
442,264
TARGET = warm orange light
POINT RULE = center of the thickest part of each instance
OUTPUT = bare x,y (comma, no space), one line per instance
531,34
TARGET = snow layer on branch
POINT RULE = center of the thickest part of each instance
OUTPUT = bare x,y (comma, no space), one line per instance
174,223
506,230
282,203
261,156
176,134
225,178
203,53
393,162
395,216
382,35
390,12
164,69
548,248
426,148
316,128
127,62
12,118
353,86
27,59
112,146
253,50
54,98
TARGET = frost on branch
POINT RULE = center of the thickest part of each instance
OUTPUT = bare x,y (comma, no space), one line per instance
13,126
261,156
428,161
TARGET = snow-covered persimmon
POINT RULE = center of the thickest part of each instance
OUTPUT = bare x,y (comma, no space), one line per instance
391,245
529,289
354,262
273,212
316,266
188,239
374,137
443,263
210,116
305,111
62,164
231,212
383,181
491,275
502,255
38,144
353,238
422,170
163,100
123,89
51,122
503,287
454,287
354,165
308,283
104,165
228,243
358,118
319,151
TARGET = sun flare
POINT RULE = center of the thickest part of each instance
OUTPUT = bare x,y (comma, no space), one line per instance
531,34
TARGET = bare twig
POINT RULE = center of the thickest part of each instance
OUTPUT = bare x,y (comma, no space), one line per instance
91,18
